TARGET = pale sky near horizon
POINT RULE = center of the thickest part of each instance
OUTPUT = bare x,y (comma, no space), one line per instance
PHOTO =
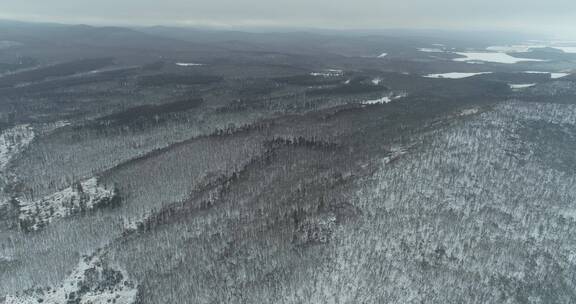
551,17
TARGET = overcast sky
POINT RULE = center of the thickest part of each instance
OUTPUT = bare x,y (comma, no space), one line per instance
552,16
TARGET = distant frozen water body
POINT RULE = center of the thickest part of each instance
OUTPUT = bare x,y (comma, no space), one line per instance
491,57
526,48
454,75
552,75
521,86
558,75
566,49
188,64
431,50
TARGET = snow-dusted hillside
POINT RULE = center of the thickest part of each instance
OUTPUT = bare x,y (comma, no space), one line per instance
77,198
13,141
477,212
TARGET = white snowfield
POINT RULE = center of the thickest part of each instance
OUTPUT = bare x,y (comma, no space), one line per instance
521,86
188,64
77,198
455,75
89,283
492,57
13,141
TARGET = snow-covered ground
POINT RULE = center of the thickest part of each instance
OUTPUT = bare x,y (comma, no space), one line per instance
93,281
77,198
477,190
13,141
376,81
384,99
491,57
328,73
454,75
382,55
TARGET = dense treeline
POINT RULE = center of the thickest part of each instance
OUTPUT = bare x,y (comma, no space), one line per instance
148,113
57,70
177,79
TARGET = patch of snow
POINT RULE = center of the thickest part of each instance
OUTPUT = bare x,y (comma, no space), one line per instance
395,153
521,86
467,112
77,198
491,57
13,141
93,281
454,75
188,64
382,55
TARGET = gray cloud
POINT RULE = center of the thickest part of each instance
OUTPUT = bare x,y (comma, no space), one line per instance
530,15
